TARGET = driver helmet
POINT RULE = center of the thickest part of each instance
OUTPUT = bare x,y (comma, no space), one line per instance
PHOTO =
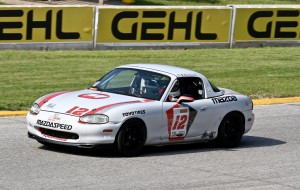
175,92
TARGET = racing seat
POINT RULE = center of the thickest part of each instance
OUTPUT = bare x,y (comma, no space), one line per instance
191,90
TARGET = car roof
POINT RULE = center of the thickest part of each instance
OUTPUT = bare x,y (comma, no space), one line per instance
173,70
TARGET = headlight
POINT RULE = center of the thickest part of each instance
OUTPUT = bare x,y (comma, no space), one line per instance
35,109
94,119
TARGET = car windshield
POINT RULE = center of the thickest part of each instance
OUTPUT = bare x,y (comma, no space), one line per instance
133,82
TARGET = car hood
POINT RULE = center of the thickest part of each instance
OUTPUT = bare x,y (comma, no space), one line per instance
84,102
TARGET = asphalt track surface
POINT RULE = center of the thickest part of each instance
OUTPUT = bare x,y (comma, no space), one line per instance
268,158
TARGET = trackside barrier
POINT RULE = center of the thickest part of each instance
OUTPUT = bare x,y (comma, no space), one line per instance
50,27
265,25
151,27
162,27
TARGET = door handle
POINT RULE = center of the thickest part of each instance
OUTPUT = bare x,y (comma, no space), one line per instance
203,108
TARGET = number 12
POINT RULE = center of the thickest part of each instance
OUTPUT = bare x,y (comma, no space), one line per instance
180,122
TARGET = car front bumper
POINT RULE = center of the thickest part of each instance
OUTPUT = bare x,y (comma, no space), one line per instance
76,145
68,131
249,120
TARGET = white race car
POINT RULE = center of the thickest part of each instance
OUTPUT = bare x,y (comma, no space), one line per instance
142,104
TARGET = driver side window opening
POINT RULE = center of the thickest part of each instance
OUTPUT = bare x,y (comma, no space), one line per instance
149,85
187,86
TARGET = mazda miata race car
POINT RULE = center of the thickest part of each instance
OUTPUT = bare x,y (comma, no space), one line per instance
142,104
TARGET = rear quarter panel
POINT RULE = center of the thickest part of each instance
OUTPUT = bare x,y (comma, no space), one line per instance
226,104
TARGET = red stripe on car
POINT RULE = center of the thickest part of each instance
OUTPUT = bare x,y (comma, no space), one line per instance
110,105
45,100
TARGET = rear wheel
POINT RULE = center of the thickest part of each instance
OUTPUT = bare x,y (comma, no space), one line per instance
131,138
231,130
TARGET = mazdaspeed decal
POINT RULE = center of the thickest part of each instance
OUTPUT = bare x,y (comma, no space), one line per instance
54,125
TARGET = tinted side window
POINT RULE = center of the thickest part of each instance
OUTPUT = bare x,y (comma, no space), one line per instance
215,89
191,86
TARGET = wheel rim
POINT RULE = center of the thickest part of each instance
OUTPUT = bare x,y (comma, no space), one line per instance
133,137
232,128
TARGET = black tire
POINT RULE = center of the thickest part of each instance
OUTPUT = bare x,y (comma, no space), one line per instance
230,130
131,138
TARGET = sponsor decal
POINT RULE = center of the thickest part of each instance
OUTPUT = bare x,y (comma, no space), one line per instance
54,125
94,96
181,110
186,75
51,106
224,99
180,120
140,112
54,118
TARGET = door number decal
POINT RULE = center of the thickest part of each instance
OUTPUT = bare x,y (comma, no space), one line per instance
180,121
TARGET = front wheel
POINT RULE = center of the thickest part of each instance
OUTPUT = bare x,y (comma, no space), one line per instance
231,130
131,138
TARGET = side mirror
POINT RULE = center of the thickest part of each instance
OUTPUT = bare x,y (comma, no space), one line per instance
223,92
185,99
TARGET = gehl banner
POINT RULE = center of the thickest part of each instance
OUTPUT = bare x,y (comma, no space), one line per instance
109,27
171,24
46,24
267,24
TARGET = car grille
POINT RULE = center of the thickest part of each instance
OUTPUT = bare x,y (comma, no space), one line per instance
58,134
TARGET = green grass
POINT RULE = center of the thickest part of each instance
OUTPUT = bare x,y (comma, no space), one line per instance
260,73
213,2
